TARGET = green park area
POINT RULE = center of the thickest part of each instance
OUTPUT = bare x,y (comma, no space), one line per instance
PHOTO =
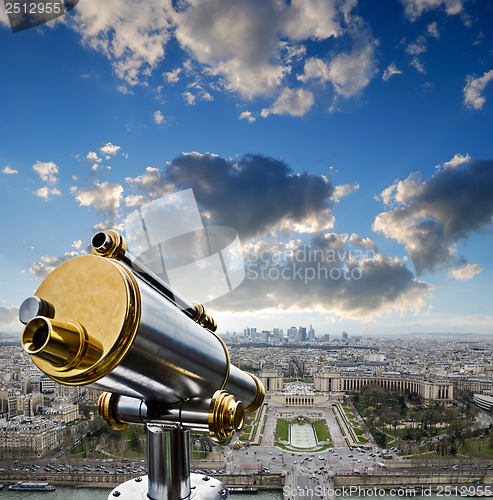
405,422
253,426
296,433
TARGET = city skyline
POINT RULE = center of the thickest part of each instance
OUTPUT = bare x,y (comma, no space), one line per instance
346,144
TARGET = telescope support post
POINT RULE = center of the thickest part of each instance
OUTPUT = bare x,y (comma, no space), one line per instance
169,478
168,458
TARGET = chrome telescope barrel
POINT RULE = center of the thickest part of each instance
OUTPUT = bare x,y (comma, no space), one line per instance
97,321
221,415
111,244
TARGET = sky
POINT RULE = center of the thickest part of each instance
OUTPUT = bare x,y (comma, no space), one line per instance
347,142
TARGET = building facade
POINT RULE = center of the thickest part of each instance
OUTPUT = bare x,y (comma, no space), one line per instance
441,391
30,436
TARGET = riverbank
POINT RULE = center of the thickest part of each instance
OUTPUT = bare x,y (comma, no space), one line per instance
110,481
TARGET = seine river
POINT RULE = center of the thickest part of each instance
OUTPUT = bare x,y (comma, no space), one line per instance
65,493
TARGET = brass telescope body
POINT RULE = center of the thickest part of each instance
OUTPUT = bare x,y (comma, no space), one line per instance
104,320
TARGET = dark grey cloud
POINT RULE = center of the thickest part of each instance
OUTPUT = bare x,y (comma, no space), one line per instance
329,278
293,259
254,195
432,216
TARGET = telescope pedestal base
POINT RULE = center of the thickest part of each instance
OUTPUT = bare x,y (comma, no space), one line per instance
202,488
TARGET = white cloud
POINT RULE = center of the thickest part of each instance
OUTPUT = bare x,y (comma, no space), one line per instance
247,115
418,65
244,47
417,47
343,190
152,182
431,217
465,273
350,72
457,160
365,243
105,196
136,200
131,34
123,89
311,224
158,117
77,244
109,150
390,71
4,18
9,315
41,269
93,156
474,88
189,98
415,8
291,102
236,41
105,224
316,69
313,19
172,76
433,30
47,171
9,171
47,193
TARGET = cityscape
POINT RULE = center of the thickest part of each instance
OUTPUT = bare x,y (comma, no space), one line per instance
430,398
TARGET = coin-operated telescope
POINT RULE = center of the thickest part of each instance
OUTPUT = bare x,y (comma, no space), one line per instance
106,321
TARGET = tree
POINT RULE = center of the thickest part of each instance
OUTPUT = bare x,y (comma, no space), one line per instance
134,434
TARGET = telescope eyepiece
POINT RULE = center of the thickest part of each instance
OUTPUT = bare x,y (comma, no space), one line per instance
64,344
109,244
35,306
40,336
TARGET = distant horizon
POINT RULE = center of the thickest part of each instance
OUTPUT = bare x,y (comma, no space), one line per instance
337,335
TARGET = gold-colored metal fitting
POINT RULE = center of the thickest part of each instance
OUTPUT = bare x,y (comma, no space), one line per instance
97,308
110,244
202,318
259,396
226,416
65,344
106,410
